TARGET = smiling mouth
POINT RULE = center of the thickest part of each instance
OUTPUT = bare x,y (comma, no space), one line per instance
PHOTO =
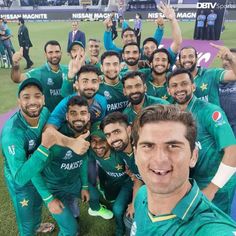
161,172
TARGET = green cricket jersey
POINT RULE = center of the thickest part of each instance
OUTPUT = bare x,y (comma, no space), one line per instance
207,84
116,101
148,100
130,163
63,170
23,154
214,134
157,91
51,82
125,70
113,166
194,215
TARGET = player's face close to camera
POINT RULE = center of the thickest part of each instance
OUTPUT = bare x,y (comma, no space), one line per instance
163,156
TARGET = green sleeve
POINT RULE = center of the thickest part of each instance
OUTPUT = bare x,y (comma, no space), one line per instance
34,73
67,87
217,74
22,167
42,189
84,173
218,126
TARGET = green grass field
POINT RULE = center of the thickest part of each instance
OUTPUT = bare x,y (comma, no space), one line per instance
40,33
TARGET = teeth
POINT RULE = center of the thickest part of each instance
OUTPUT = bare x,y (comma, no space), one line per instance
161,172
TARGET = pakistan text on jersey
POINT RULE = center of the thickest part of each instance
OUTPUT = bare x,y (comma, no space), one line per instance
116,106
71,166
55,92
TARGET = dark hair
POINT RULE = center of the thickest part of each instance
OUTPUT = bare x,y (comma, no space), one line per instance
95,40
110,54
77,100
132,74
88,68
159,113
130,44
179,71
114,117
188,47
51,42
127,29
150,39
21,20
164,50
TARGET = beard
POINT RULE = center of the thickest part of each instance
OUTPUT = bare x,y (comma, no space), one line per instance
137,100
55,61
192,68
121,147
133,62
32,114
184,100
78,127
159,72
88,93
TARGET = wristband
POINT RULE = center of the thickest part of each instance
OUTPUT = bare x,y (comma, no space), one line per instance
223,174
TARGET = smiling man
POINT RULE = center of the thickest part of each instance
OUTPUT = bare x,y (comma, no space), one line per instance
170,203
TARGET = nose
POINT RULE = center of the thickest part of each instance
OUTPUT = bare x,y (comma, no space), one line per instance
159,155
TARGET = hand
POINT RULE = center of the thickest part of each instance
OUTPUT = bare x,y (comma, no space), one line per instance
55,206
210,191
159,21
84,195
79,145
17,56
94,60
75,64
49,137
224,52
167,10
108,23
130,211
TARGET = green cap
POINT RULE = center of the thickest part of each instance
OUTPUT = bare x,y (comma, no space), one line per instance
76,43
96,131
30,81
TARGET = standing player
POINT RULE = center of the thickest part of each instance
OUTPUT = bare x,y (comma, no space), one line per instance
214,171
170,203
25,150
94,47
50,75
207,80
135,89
111,87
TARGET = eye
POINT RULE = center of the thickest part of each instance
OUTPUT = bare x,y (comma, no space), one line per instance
173,146
147,146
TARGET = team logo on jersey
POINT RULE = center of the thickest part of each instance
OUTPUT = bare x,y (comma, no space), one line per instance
50,82
31,144
68,155
11,150
107,95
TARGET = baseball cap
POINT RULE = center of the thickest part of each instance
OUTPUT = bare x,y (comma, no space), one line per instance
76,43
30,81
96,131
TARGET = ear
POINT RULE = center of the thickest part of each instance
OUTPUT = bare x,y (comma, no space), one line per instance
129,130
18,102
43,100
135,152
168,90
194,87
194,158
67,116
168,66
145,87
124,92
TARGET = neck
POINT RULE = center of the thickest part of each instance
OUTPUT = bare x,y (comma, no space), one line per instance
54,67
183,107
159,79
133,68
128,149
194,72
111,81
33,122
166,202
139,106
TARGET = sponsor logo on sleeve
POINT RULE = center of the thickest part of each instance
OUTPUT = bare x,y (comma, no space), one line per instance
218,118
